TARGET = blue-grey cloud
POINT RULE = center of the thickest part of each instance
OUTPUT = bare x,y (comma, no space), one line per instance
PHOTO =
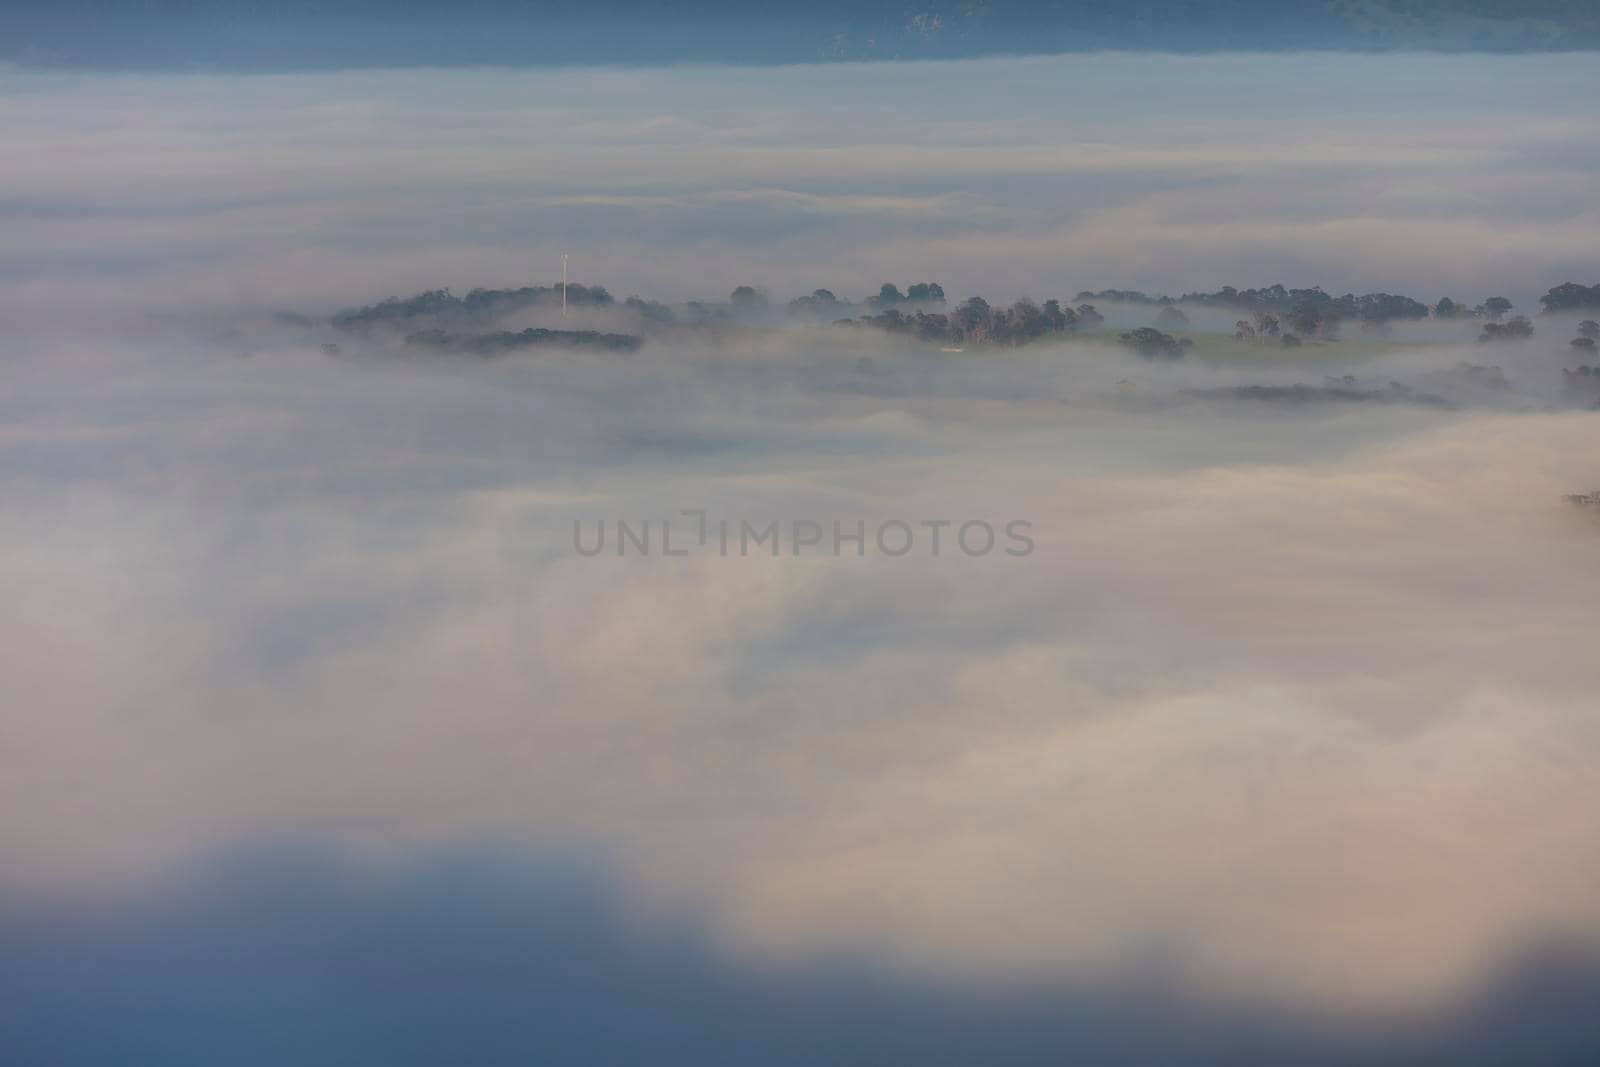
1042,176
300,952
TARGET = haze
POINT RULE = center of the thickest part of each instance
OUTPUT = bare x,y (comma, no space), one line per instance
323,745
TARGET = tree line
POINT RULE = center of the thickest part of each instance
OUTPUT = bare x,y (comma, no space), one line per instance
1275,313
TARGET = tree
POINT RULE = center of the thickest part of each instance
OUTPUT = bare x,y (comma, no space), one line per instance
443,306
748,299
1171,317
653,310
932,327
925,293
1304,319
1119,296
1584,345
1570,296
1446,308
1151,343
820,304
973,319
888,296
1495,307
1026,321
891,320
1589,328
700,312
1377,307
1058,317
1284,302
1517,329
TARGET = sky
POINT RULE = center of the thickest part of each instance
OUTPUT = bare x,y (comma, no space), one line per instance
1431,175
326,743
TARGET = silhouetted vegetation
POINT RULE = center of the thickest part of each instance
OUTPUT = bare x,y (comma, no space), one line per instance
748,300
1582,385
1570,296
889,295
443,306
1321,306
650,310
976,322
821,304
1123,296
1515,329
1333,391
1151,343
492,344
1276,314
1493,308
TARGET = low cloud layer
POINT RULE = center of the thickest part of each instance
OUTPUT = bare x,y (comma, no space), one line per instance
1467,175
1299,695
1288,713
295,950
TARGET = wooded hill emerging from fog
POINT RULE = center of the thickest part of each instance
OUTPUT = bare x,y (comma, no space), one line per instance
440,320
301,34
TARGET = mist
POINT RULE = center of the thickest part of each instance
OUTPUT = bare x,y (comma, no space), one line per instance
1278,742
1423,174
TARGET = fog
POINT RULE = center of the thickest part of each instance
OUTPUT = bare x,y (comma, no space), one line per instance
1423,174
1281,735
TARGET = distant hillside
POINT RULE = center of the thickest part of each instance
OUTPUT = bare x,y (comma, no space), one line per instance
300,34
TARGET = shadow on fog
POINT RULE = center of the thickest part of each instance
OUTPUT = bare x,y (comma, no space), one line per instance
298,954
